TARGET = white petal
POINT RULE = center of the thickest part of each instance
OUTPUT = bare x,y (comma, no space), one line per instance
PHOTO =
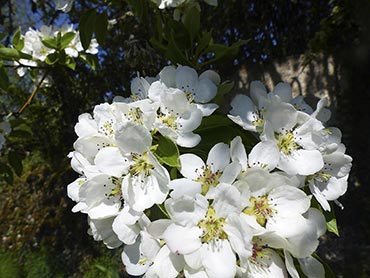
218,157
257,91
290,265
86,125
226,200
183,187
140,87
167,76
182,240
219,259
155,91
131,257
284,91
188,140
282,116
206,91
265,154
166,264
192,166
125,225
302,162
186,211
312,268
133,138
212,75
289,200
238,153
207,109
186,79
110,161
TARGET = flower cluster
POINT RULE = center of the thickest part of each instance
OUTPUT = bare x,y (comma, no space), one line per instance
40,43
231,213
5,129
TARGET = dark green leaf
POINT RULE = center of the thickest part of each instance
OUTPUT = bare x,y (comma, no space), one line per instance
4,80
101,27
175,55
15,160
50,43
214,121
223,89
2,36
223,52
52,58
25,56
9,53
6,173
86,27
203,43
167,152
66,39
192,21
157,45
91,60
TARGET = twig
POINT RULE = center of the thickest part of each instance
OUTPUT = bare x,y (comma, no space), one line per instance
37,87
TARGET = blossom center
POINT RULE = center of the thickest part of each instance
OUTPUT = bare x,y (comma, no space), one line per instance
136,115
208,179
260,208
259,256
212,226
286,142
169,120
107,128
141,164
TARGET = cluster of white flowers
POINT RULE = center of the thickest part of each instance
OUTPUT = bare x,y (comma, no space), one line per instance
162,4
237,214
5,129
35,47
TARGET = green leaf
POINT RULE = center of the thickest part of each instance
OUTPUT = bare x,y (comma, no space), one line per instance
192,21
6,173
167,152
223,52
52,58
91,60
222,90
50,43
15,160
66,39
70,63
2,36
214,121
4,79
331,222
17,41
101,27
9,53
86,27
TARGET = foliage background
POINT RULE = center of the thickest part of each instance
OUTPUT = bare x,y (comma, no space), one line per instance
40,237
